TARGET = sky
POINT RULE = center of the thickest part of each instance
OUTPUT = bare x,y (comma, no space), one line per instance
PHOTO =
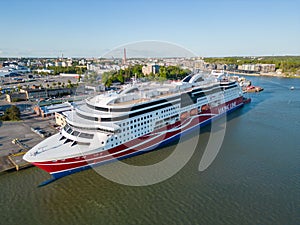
92,28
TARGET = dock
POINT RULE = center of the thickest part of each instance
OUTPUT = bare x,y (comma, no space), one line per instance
5,164
13,162
18,161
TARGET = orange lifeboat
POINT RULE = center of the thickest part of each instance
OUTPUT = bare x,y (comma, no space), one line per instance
184,115
194,112
205,108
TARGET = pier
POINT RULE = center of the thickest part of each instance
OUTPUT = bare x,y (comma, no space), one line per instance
16,138
18,161
14,161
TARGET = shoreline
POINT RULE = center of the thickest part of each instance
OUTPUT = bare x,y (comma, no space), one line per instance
261,75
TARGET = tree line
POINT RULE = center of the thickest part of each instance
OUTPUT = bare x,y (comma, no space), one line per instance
70,69
285,63
11,114
125,75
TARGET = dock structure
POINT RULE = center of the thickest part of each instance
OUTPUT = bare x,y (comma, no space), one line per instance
5,164
18,161
14,161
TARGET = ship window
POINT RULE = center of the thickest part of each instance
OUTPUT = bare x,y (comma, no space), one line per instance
85,135
74,143
83,143
75,133
69,131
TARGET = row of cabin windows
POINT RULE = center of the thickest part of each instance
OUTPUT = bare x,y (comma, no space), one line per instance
143,130
139,124
136,120
129,136
231,93
167,112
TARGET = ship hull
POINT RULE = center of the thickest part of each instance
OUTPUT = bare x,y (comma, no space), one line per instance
155,140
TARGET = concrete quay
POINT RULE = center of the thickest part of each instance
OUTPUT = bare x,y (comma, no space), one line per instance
16,138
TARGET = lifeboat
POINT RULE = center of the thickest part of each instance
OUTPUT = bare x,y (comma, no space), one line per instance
184,115
205,108
194,112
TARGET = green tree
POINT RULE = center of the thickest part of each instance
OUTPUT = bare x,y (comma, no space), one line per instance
12,113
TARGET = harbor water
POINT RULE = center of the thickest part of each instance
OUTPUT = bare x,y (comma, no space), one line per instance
254,179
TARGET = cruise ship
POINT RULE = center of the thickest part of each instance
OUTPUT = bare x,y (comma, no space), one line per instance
140,117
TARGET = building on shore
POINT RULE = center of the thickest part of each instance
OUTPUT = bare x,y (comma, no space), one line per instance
95,87
43,93
150,68
267,68
263,68
51,110
60,119
44,71
16,97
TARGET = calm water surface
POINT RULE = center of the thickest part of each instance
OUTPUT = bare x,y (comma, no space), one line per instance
253,180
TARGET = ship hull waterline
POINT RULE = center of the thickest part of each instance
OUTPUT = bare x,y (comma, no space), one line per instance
58,171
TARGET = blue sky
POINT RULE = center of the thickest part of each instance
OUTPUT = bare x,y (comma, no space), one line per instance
92,27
